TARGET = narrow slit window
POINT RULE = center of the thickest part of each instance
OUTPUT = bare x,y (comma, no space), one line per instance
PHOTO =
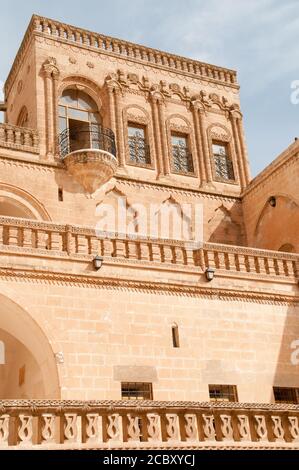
60,194
175,336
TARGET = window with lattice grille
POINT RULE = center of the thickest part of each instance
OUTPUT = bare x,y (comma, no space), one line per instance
223,393
223,165
286,395
182,161
139,152
136,391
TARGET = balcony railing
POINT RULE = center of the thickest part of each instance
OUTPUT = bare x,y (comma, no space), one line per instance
46,424
86,136
46,238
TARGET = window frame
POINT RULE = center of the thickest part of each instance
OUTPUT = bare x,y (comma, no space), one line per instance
233,393
226,144
127,396
144,126
294,390
173,132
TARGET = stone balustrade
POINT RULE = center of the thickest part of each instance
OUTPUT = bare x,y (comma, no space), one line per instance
19,138
74,35
146,424
47,238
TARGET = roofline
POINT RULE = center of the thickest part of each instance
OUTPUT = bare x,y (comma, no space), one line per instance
203,70
292,151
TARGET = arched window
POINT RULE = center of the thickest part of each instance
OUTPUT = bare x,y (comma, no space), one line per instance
75,105
79,120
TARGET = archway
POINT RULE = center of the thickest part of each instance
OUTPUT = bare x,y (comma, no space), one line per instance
16,202
278,223
29,369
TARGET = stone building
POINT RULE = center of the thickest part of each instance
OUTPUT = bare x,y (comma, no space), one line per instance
203,329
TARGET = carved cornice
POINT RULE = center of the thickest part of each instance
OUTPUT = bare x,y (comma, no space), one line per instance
148,287
105,45
176,189
146,405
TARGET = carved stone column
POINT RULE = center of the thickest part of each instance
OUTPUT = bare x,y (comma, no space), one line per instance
205,146
51,74
56,130
199,144
111,101
163,138
244,150
157,135
119,128
233,118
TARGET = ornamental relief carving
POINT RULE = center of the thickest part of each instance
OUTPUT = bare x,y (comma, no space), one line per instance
220,132
140,85
122,59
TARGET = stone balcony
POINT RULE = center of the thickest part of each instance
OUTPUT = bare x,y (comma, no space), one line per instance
89,154
56,424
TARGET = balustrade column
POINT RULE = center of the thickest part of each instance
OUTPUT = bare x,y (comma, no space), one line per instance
199,144
119,127
205,146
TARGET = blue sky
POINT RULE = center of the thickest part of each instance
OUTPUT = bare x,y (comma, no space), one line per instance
258,38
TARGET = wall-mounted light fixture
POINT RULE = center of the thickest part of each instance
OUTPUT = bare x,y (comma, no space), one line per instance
209,272
272,201
97,262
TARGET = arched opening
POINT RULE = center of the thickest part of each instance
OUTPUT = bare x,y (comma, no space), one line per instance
28,369
15,202
12,208
20,375
23,118
79,117
287,248
277,226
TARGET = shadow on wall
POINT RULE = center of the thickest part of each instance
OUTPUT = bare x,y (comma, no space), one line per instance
29,369
287,367
278,225
223,226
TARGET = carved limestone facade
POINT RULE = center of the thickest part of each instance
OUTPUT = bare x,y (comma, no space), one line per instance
87,318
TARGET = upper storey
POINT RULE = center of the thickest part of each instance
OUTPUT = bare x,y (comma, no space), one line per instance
154,116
